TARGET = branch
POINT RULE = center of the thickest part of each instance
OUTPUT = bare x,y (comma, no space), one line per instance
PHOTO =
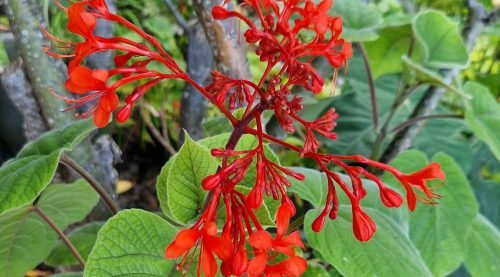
371,85
417,119
228,46
164,141
61,235
177,15
92,181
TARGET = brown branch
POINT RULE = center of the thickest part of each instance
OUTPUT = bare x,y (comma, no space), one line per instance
164,141
61,235
227,45
92,181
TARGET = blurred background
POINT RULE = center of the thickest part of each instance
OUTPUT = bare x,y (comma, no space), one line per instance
419,98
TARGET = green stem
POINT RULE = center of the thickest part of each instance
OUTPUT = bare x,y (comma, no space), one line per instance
414,120
371,85
61,235
92,181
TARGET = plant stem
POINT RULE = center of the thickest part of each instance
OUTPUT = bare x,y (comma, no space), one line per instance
61,235
295,225
164,141
92,181
414,120
371,85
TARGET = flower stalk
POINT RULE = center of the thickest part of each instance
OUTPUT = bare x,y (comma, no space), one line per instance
242,244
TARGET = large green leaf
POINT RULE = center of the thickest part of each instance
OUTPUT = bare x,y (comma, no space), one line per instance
388,253
482,256
385,53
185,194
483,116
442,44
26,240
439,231
196,157
360,21
26,176
83,238
132,243
312,189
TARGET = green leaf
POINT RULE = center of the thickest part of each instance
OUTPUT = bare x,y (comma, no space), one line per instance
313,189
482,256
360,21
132,243
439,231
162,186
385,53
27,240
61,139
442,44
26,176
388,253
315,270
483,116
190,166
83,238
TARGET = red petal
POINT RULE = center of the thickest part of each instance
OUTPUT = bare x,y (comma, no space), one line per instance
109,102
292,240
186,238
173,251
390,198
257,265
208,263
261,240
362,225
282,220
240,262
101,118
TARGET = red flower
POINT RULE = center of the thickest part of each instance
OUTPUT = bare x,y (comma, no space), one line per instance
419,180
82,80
210,244
267,248
81,22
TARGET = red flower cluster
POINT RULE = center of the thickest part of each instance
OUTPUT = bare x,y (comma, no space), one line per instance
242,244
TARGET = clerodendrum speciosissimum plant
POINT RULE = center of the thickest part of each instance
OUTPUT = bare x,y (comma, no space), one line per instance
242,244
